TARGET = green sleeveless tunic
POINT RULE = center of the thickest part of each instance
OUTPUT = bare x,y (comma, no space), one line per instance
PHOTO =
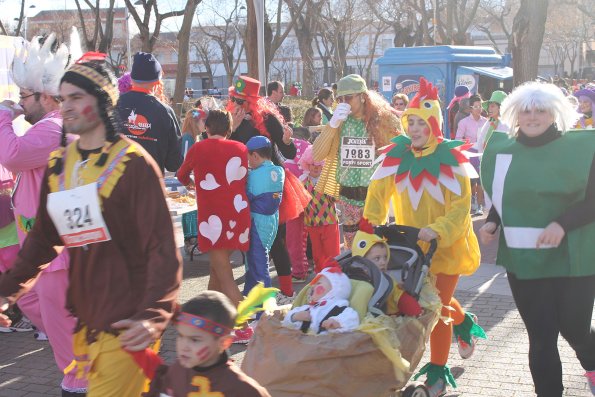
532,186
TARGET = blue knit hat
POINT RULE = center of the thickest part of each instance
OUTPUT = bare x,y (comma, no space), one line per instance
145,68
461,90
258,142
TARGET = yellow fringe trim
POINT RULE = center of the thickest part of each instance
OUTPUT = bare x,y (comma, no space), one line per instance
90,173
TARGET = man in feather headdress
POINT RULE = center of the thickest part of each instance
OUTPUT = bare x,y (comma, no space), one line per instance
37,70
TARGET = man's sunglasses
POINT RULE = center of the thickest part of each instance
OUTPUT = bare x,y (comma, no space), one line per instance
237,100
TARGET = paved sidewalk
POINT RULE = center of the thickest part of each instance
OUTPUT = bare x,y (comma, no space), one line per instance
498,368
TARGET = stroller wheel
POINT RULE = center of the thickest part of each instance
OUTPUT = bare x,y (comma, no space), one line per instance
416,390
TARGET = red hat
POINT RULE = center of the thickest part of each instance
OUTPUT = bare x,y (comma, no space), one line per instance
245,88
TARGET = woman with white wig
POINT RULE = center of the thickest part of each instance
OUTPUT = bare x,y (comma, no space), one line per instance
541,179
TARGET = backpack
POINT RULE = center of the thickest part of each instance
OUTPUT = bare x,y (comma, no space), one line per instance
358,268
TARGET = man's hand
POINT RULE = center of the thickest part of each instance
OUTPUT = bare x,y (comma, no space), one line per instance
340,115
137,335
4,320
302,316
237,115
551,236
287,134
427,234
15,108
487,233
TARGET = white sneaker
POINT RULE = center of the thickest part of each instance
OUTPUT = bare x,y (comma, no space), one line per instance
283,299
438,389
5,330
24,325
466,350
40,336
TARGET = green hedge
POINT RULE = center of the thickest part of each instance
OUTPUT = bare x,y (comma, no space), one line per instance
298,107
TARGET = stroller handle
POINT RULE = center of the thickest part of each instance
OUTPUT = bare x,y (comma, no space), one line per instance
411,233
413,276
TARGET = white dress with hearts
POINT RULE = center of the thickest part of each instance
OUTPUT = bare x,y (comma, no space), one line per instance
220,170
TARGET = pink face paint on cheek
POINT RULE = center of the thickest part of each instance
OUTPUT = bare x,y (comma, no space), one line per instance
203,353
89,113
319,290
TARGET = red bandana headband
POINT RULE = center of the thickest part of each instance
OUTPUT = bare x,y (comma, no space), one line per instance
204,324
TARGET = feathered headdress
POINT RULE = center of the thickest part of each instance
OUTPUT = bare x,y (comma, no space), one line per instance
40,67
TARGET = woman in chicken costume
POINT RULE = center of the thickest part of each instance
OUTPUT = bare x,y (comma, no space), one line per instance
428,179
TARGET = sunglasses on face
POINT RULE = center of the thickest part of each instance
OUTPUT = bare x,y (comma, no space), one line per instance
238,100
344,98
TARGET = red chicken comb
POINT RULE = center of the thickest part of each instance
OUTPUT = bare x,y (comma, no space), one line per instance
366,226
426,91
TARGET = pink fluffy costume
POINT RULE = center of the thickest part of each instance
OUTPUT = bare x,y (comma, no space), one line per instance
45,304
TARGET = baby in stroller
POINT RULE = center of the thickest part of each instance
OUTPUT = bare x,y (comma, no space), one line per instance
328,305
379,356
374,248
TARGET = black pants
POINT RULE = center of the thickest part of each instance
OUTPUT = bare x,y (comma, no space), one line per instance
279,253
550,307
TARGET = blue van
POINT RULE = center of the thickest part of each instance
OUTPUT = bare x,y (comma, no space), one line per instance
479,68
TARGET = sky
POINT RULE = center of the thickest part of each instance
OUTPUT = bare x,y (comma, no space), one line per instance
13,8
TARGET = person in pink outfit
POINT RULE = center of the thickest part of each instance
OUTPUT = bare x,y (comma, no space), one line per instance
468,130
26,157
320,217
9,243
297,237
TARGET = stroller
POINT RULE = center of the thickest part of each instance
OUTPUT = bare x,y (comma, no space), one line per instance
376,360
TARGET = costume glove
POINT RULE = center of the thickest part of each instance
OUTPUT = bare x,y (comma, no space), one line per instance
408,305
340,115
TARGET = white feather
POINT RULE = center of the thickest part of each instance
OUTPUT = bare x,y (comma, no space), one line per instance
38,68
19,72
76,50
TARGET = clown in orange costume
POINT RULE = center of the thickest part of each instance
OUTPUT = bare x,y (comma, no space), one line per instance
428,178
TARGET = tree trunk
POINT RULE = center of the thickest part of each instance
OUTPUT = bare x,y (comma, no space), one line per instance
251,41
307,53
105,41
305,28
527,37
151,11
183,50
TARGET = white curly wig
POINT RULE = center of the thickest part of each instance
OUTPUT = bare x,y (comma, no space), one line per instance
542,96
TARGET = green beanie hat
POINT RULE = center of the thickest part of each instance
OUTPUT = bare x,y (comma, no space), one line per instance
351,84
